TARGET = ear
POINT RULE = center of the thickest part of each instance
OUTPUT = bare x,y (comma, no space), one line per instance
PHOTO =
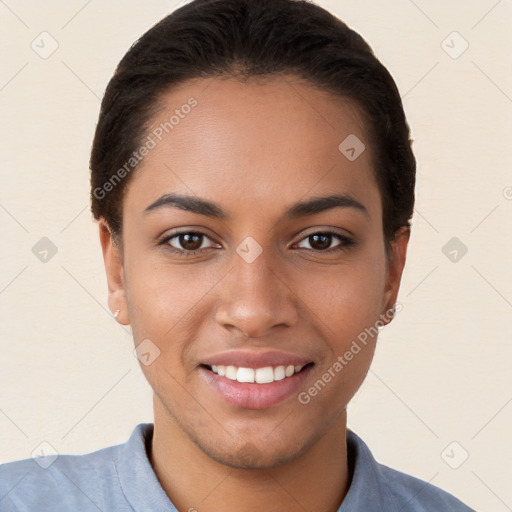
113,260
395,267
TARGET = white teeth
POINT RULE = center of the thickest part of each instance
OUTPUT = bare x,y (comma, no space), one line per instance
263,375
245,375
231,372
279,373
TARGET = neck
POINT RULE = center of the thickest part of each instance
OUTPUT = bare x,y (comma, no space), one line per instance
316,480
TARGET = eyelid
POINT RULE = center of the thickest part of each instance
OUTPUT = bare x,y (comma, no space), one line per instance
335,230
204,238
325,230
344,240
185,231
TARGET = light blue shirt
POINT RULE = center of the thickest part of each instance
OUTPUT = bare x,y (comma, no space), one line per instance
120,478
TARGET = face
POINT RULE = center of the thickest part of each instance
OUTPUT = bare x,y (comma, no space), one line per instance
253,250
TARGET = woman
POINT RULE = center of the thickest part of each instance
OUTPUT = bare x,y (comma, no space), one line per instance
253,181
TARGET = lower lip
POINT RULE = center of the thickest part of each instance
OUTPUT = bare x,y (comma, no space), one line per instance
250,395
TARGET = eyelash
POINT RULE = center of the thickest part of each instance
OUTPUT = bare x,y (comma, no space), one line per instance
345,244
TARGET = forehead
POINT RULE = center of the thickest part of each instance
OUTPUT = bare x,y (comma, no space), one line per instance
266,141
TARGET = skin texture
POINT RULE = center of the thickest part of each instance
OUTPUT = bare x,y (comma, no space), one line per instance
253,148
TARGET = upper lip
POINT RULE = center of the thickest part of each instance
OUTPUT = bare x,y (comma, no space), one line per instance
255,359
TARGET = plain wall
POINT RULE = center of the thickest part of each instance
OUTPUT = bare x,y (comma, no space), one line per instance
441,372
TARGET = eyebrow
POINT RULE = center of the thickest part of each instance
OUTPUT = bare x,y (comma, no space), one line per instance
187,203
300,209
321,204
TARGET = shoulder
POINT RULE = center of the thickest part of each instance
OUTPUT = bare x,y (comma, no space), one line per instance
64,482
418,495
393,490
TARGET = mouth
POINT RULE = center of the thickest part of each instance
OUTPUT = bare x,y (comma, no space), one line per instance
263,375
258,381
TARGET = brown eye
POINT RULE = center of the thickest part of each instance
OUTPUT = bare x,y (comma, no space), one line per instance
323,241
189,241
320,241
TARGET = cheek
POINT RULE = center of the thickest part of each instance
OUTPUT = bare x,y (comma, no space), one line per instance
346,311
346,300
165,303
346,305
159,293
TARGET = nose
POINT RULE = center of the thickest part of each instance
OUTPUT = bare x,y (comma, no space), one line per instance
255,298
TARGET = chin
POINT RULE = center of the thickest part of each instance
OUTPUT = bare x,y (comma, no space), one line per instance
253,455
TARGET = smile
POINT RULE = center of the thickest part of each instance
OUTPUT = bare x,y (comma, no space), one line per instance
255,379
264,375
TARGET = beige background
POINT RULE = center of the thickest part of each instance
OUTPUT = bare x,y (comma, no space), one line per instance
442,369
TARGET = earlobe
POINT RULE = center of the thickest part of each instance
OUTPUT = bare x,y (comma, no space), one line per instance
115,274
396,263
